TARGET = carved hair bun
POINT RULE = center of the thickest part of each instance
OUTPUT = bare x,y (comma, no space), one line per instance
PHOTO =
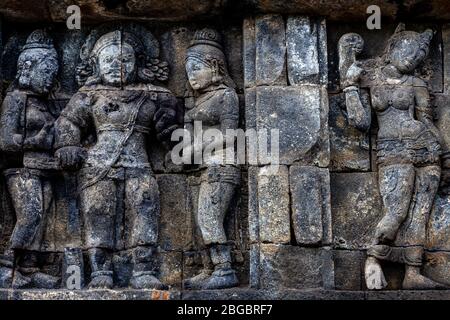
38,39
207,36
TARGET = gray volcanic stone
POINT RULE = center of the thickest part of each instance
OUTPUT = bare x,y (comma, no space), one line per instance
311,213
273,205
174,230
286,266
300,114
439,224
356,209
306,51
348,269
349,147
249,52
270,50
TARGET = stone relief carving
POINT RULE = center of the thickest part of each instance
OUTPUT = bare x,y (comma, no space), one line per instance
27,132
408,149
212,99
102,145
119,197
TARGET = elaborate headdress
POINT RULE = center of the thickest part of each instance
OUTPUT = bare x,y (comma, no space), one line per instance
39,46
146,47
206,47
423,39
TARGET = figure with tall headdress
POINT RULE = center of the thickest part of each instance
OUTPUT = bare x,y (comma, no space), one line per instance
408,150
118,193
212,99
27,133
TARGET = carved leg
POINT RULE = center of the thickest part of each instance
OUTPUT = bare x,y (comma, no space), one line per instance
413,234
214,202
98,207
142,209
396,184
27,196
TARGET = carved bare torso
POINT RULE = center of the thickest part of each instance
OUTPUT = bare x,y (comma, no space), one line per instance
394,105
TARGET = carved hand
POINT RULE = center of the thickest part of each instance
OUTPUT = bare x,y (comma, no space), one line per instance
43,140
353,75
165,122
70,157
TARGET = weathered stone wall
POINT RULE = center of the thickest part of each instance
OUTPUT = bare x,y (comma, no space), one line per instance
309,224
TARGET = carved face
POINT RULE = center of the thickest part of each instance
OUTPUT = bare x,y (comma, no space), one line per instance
37,71
406,54
199,74
117,65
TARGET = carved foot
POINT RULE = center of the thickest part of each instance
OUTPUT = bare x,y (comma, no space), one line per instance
374,275
415,281
101,280
21,282
146,280
196,283
45,281
221,279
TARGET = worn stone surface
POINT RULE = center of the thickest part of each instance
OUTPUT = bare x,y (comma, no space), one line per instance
249,52
349,147
270,42
273,205
437,266
348,269
300,114
272,59
285,266
306,51
310,196
174,212
446,56
356,209
439,224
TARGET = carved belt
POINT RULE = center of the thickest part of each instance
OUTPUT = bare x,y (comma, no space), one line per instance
122,127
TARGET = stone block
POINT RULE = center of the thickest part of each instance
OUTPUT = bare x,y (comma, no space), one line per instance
349,147
270,42
300,114
311,213
306,51
171,268
273,205
356,209
348,269
174,227
174,43
253,215
293,267
249,52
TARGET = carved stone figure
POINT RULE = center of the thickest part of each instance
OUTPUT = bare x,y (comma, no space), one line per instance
212,99
408,150
119,197
27,132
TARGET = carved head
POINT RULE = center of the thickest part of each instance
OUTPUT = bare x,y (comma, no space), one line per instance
205,61
407,49
119,58
37,65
